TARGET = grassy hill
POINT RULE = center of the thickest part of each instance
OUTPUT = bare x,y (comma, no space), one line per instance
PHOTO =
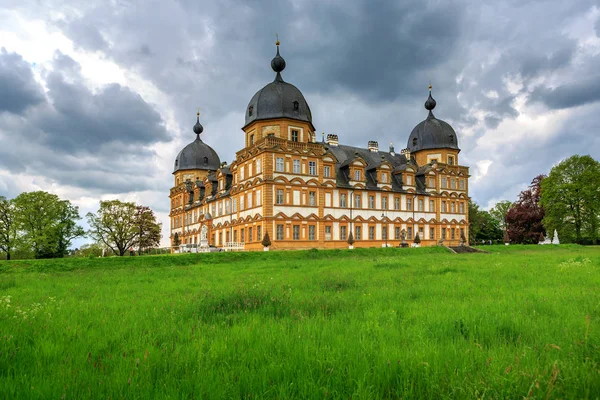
519,322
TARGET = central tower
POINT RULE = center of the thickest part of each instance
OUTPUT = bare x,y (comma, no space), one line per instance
279,109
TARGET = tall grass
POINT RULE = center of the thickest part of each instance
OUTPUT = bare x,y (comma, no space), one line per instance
519,322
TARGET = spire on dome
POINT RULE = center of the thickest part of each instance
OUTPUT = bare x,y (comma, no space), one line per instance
278,63
198,128
430,103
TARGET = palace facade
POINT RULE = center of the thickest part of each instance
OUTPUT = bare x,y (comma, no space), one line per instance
310,193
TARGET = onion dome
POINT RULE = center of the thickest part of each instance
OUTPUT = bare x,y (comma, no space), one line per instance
432,133
278,99
197,155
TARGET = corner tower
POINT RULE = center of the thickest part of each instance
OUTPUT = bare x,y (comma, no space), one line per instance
433,139
279,109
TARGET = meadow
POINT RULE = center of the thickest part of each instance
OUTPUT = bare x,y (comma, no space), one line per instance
517,322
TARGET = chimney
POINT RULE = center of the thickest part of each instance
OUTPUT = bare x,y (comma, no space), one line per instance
392,150
406,153
332,139
373,146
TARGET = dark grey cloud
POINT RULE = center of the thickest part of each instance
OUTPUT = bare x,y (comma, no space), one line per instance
99,140
568,95
18,88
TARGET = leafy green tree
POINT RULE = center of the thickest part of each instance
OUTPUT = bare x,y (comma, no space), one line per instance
47,222
176,240
482,226
499,211
148,229
89,250
122,225
266,242
524,219
571,199
9,235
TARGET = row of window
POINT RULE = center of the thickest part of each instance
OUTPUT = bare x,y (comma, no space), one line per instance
453,183
454,233
280,166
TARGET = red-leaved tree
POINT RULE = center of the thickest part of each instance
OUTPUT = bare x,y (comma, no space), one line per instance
524,218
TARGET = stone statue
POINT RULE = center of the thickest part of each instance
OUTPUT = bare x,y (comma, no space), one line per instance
204,233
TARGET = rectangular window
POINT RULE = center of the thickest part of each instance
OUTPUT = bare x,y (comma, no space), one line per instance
357,231
431,182
279,230
327,171
279,164
462,233
431,233
312,198
343,233
462,184
452,183
357,201
409,234
250,195
357,175
258,166
242,203
383,177
234,205
421,205
328,233
312,167
409,180
241,173
384,232
258,198
311,232
461,207
452,234
450,160
296,232
444,183
279,197
296,164
242,235
220,209
397,233
235,236
371,233
443,206
409,204
295,136
384,200
443,233
259,233
421,233
431,205
396,203
371,202
452,207
250,234
342,200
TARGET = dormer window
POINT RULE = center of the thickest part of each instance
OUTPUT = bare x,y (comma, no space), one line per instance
176,163
205,160
250,109
357,175
450,160
295,136
383,177
451,137
414,142
296,105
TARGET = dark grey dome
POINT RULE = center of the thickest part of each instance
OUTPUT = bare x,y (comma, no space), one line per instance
197,155
278,99
432,133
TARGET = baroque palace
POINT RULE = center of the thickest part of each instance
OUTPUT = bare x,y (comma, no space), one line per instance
307,193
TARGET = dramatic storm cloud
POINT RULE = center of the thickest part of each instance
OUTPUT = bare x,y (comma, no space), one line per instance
97,98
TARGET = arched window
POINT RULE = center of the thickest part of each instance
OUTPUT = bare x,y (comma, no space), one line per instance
205,160
414,141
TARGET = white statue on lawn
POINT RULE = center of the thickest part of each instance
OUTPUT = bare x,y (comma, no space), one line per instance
555,238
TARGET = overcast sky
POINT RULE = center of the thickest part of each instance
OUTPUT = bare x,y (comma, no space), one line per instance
98,97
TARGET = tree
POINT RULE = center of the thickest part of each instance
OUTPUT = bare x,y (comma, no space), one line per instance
8,227
89,250
47,222
266,242
499,211
115,225
176,240
571,199
350,239
417,239
482,226
147,228
524,218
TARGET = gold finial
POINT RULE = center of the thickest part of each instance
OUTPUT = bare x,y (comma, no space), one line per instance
430,85
277,41
198,113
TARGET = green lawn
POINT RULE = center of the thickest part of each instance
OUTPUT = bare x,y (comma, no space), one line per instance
519,322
